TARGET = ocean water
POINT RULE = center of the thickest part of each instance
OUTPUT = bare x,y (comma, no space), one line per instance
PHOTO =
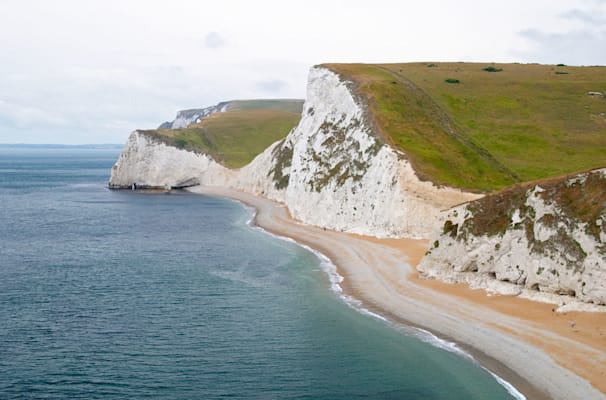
114,294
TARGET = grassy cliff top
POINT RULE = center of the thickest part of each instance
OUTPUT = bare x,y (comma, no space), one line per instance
288,105
485,126
232,138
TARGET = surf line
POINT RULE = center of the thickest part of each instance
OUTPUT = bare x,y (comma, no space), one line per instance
336,279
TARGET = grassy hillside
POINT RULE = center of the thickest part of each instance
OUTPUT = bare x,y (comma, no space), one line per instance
485,126
288,105
232,138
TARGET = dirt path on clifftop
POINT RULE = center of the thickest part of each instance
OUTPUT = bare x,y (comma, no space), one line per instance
518,341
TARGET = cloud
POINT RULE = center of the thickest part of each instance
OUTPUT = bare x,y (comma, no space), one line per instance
214,41
273,86
29,116
122,71
578,39
587,17
581,47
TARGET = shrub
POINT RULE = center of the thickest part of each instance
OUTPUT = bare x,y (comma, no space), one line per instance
181,143
561,73
452,80
561,65
492,69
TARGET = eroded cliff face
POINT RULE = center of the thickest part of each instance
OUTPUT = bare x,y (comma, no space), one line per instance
149,163
331,170
343,177
537,240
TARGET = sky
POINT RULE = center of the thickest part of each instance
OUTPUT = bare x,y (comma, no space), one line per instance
79,72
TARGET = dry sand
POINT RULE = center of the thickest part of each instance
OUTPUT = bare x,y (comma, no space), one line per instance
542,353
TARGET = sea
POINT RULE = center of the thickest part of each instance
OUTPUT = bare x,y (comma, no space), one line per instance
128,295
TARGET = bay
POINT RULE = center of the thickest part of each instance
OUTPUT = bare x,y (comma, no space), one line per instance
115,294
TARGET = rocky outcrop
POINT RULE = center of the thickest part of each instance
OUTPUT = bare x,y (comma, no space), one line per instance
548,237
149,163
600,95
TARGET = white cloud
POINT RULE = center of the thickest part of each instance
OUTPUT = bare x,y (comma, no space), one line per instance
579,39
21,116
214,40
95,70
581,47
271,86
586,17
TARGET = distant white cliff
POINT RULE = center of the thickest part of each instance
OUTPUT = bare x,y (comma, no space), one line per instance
186,118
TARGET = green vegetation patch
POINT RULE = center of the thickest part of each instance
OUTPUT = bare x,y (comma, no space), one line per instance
583,199
232,138
282,157
522,124
288,105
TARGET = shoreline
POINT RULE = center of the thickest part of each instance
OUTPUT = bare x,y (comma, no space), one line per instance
381,274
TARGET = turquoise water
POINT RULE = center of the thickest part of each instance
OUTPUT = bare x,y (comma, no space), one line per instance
114,294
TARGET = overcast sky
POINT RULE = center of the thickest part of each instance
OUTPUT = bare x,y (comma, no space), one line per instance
76,71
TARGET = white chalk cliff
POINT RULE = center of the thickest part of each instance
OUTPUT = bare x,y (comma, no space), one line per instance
537,241
333,171
330,171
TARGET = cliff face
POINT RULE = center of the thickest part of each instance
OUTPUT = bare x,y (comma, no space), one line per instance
149,163
342,177
535,239
331,170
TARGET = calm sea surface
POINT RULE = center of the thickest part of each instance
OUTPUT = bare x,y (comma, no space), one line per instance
114,294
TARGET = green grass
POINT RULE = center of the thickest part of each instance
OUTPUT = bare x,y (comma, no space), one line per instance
288,105
232,138
523,123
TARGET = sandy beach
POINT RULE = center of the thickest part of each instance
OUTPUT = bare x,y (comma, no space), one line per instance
542,353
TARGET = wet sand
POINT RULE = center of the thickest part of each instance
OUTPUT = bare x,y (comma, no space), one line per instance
542,353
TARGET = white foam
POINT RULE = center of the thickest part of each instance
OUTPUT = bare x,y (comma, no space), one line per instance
335,279
508,386
452,347
429,338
